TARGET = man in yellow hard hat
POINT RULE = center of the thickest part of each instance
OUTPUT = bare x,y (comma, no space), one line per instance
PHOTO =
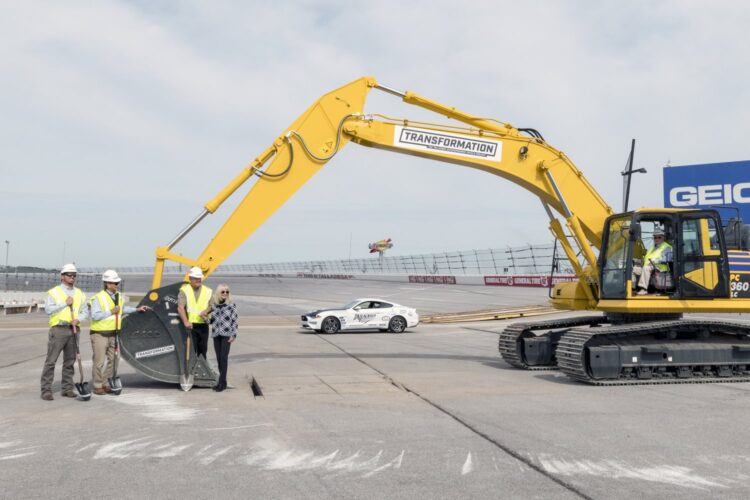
194,303
107,309
66,308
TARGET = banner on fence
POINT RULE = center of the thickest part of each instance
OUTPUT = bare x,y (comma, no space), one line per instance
326,276
527,280
429,278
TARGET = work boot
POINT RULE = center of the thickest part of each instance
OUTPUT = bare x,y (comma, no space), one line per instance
99,391
69,394
47,396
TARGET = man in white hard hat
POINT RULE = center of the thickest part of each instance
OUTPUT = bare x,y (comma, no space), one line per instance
194,304
656,259
107,309
66,308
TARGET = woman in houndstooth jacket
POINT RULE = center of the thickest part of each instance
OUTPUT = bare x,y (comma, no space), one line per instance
223,330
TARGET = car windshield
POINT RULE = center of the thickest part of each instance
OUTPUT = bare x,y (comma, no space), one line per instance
351,304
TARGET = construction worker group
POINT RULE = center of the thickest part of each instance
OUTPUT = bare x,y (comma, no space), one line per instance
67,307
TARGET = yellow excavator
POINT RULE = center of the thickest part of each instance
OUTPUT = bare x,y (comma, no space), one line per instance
640,338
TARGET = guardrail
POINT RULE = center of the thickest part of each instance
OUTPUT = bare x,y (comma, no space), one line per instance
18,308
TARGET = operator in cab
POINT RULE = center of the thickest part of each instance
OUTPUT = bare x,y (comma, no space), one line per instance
194,304
656,259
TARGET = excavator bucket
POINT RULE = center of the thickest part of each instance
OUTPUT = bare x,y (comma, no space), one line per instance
154,342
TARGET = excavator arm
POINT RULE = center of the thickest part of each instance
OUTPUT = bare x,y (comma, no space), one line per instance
518,155
292,159
639,339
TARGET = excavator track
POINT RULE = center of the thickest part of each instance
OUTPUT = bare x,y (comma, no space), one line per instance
663,352
510,343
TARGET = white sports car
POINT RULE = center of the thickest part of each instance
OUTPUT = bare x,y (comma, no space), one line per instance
363,314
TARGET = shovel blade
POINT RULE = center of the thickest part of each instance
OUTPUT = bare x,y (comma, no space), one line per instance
116,385
84,393
186,382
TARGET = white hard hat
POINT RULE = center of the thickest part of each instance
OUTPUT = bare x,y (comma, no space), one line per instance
195,272
68,268
110,276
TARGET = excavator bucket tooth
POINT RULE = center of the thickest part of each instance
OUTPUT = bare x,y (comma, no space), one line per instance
153,342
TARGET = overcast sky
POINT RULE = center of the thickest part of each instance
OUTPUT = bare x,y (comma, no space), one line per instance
120,119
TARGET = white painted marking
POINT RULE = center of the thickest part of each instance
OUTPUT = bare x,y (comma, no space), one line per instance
270,455
17,455
210,458
395,463
86,447
168,451
13,450
239,427
123,449
468,465
668,474
156,406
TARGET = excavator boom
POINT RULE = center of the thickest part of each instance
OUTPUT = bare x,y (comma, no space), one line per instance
486,144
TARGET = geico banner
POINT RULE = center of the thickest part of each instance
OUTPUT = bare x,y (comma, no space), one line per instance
710,186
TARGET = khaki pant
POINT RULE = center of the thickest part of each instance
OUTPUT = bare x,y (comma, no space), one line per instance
642,275
102,367
60,339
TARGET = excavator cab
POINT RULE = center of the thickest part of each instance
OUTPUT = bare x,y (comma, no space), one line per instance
699,266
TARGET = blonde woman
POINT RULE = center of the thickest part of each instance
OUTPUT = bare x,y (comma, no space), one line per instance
223,330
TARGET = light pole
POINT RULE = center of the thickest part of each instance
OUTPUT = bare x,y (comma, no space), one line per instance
7,249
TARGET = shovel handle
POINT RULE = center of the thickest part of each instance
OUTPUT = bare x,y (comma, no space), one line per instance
72,325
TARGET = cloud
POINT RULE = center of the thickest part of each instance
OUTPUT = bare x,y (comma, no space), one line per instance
126,117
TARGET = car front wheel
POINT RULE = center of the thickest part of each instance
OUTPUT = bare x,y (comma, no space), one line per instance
397,324
331,325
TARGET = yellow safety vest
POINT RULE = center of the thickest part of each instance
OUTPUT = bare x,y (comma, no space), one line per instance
655,254
194,307
64,315
106,303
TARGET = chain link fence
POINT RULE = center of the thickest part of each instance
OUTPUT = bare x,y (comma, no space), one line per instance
526,260
43,281
529,259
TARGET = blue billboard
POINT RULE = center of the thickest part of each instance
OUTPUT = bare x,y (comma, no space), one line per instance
711,185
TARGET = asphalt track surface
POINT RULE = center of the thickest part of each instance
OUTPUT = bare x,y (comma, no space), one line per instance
431,413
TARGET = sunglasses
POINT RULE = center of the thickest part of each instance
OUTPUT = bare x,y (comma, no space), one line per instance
223,292
70,275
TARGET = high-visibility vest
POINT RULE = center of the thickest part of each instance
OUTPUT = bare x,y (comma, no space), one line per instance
64,314
656,253
194,307
106,303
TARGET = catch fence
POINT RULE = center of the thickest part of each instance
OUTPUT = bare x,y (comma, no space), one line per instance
529,259
510,261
